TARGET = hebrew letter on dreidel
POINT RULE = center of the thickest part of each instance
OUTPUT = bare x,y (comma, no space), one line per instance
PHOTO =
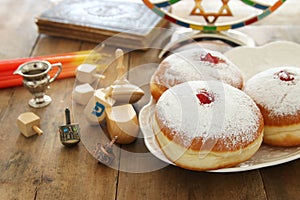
102,101
94,112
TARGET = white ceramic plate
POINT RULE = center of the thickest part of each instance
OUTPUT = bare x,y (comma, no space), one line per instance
266,155
251,61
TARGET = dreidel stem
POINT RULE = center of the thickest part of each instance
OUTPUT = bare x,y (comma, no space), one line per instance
120,67
68,116
108,92
37,130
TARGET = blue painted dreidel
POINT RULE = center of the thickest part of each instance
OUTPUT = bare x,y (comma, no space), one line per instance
95,109
93,112
102,102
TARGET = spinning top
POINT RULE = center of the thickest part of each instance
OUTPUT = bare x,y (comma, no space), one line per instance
122,90
86,73
83,93
69,132
104,153
101,102
122,122
120,67
28,124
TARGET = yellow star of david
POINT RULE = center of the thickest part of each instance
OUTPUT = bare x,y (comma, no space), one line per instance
211,17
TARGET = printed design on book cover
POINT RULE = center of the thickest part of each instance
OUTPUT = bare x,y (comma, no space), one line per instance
118,16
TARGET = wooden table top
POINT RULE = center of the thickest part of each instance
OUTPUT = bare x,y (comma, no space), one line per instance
40,167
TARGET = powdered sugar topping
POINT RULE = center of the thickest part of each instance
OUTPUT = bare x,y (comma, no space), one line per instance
279,96
232,116
188,65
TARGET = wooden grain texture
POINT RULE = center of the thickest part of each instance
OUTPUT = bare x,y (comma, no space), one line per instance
282,182
40,167
18,33
176,183
15,160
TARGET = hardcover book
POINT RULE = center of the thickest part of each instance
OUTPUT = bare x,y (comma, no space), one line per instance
131,23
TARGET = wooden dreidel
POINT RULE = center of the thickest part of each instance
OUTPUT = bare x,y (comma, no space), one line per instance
104,153
83,93
102,101
94,110
120,68
122,122
86,73
29,123
127,93
123,91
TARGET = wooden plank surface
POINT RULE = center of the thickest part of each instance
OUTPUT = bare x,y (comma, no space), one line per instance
17,32
175,183
41,168
282,181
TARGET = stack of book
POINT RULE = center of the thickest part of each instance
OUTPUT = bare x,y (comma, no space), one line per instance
119,23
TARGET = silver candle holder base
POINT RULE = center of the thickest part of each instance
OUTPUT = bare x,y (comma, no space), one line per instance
40,102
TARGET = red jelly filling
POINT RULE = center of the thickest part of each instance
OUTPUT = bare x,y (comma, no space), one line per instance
284,75
205,97
212,59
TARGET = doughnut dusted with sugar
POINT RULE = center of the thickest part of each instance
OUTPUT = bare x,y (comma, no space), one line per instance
276,91
205,125
193,65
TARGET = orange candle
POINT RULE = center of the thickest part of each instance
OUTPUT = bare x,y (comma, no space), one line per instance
75,57
70,62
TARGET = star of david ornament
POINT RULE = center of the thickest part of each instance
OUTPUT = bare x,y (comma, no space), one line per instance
211,17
